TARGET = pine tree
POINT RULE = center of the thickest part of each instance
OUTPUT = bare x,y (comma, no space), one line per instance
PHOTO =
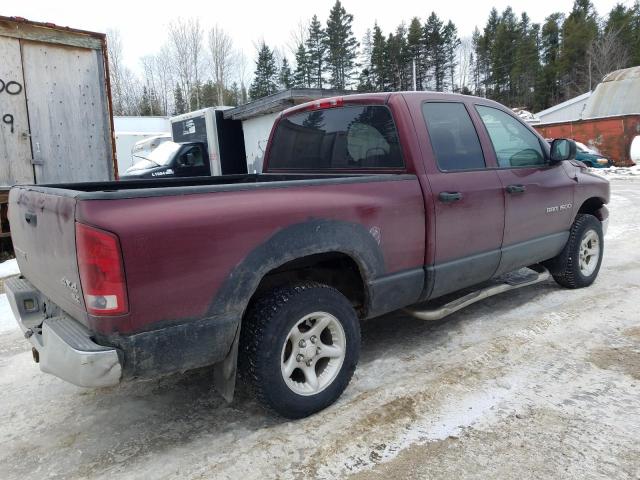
485,51
364,81
578,32
285,76
526,68
265,81
180,105
549,92
622,22
395,64
302,73
415,49
503,56
145,103
341,46
435,52
379,74
235,96
450,44
208,95
477,62
244,95
316,46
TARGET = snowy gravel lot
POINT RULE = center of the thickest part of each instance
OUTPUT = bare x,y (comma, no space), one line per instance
538,383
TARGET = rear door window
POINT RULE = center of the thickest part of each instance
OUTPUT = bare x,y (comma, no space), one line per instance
345,138
453,137
514,144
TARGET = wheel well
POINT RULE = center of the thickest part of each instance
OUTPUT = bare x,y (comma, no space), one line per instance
591,206
333,268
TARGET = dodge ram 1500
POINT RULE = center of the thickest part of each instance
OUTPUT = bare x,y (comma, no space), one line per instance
367,204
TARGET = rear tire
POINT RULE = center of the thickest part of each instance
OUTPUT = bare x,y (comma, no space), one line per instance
578,264
299,347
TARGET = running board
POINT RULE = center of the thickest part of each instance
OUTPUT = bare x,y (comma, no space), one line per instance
531,275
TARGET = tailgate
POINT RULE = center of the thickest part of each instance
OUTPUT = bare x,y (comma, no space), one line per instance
44,240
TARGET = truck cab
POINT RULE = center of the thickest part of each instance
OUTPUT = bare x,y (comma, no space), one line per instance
170,159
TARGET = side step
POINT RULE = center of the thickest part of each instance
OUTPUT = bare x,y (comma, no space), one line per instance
520,278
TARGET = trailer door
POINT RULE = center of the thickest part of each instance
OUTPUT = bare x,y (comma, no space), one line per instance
15,148
68,113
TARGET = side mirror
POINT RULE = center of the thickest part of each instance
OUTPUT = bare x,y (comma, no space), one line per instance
562,149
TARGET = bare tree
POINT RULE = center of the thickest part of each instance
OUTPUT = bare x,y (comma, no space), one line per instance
114,49
241,67
465,52
298,35
222,59
158,79
125,87
185,44
164,74
606,54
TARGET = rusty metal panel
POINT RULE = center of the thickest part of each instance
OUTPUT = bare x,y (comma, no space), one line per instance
612,136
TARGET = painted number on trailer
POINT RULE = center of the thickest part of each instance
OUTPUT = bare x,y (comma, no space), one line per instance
10,87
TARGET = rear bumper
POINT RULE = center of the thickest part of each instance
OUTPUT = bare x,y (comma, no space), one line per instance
65,348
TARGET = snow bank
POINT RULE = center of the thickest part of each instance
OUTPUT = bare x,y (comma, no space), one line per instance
9,268
617,172
7,320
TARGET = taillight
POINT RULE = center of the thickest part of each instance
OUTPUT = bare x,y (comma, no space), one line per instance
101,271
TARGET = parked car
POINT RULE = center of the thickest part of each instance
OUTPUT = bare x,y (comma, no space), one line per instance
367,204
591,157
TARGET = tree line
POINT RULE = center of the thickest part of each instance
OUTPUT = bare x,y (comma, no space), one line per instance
193,69
510,59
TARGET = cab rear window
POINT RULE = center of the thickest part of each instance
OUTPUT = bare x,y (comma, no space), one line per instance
345,138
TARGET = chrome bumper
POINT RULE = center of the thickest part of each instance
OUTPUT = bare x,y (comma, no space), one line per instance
64,346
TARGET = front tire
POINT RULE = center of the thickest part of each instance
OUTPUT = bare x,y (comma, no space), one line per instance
578,264
299,347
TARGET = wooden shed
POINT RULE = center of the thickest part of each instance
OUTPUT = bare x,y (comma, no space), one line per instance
55,105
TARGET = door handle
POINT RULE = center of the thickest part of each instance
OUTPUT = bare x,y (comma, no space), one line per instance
448,197
516,189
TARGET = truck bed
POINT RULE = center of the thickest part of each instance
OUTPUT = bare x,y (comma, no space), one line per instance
192,185
194,250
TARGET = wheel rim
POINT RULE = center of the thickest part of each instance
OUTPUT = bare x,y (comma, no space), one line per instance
589,252
313,353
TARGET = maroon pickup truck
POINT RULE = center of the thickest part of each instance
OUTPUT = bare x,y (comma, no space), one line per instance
367,204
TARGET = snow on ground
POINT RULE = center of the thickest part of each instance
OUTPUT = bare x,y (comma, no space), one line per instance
9,268
541,382
7,320
617,172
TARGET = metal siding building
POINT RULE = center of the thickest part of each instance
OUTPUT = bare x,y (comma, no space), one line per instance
617,94
566,111
610,121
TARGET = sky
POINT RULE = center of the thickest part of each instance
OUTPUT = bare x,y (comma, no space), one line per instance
142,24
